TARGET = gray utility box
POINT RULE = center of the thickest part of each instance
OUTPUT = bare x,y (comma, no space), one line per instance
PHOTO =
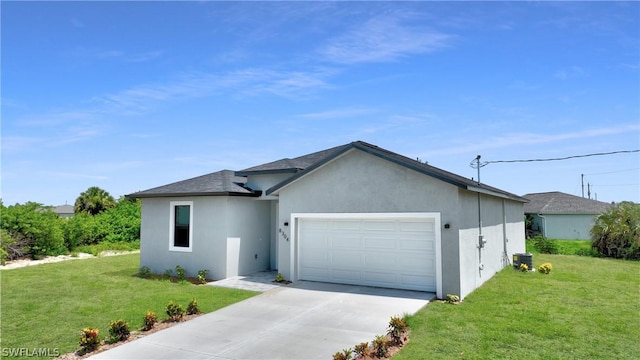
523,258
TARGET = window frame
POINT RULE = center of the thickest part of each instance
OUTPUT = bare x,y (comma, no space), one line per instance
172,226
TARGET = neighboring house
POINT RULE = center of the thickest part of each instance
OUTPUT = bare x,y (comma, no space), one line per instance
557,215
354,214
64,211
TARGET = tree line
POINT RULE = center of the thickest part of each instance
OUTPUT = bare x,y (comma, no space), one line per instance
34,230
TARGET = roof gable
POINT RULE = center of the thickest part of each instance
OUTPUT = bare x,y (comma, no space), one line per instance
223,182
401,160
556,202
288,165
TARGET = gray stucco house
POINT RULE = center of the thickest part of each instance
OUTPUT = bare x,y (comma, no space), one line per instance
354,214
557,215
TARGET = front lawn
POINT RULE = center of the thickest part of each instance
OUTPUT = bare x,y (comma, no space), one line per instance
46,306
586,308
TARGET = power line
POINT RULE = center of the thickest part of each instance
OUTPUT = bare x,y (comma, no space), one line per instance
473,163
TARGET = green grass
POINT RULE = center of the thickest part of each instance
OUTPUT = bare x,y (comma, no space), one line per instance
565,247
586,308
46,306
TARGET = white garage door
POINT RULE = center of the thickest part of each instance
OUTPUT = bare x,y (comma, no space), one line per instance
384,252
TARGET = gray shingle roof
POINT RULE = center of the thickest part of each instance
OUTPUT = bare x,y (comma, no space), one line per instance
228,182
556,202
223,182
426,169
294,165
63,209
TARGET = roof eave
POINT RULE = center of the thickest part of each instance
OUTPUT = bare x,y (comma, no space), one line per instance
266,172
186,194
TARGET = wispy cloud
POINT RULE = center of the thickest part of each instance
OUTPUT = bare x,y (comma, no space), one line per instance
520,139
70,175
570,72
397,122
247,82
339,113
383,38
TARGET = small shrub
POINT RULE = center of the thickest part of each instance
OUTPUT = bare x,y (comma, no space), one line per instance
202,276
279,278
397,327
89,339
180,273
344,355
174,311
524,268
118,330
183,282
616,233
193,308
150,319
545,268
362,350
145,272
380,346
544,245
452,299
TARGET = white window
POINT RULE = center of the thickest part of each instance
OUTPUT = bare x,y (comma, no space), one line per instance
181,226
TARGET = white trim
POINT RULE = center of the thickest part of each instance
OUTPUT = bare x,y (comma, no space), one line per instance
172,220
295,258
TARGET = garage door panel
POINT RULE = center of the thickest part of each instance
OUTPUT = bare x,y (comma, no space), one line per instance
346,241
378,225
348,225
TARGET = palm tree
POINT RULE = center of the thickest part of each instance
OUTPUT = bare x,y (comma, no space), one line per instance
93,201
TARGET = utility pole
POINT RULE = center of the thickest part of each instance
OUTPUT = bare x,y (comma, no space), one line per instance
582,182
589,190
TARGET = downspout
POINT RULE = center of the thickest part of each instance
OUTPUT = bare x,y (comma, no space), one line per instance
505,257
481,240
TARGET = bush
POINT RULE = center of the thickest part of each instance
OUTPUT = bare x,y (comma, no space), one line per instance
35,228
118,330
192,308
397,327
545,268
344,355
180,273
544,245
616,233
380,346
202,276
174,311
362,349
452,299
144,272
150,319
89,339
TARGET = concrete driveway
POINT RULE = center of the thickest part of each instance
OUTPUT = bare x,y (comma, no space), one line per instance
304,320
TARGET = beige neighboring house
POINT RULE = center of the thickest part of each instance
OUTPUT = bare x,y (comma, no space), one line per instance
557,215
64,211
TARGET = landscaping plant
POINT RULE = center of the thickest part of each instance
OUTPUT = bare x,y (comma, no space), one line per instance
397,328
174,311
150,319
202,276
380,346
192,308
362,349
89,339
118,331
545,268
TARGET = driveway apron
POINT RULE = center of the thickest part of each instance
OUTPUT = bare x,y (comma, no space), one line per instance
304,320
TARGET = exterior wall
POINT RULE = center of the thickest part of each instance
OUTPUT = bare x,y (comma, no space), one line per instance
359,183
565,226
503,231
215,218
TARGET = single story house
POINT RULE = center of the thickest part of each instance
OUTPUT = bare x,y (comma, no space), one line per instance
353,214
64,211
557,215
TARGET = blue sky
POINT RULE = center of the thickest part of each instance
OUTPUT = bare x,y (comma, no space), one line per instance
132,95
